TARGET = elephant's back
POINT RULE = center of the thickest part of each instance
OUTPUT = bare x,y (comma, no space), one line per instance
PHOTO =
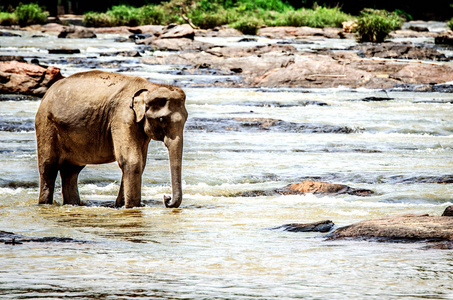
84,97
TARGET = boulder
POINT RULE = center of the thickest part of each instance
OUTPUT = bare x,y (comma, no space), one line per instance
399,228
76,32
173,31
317,187
27,79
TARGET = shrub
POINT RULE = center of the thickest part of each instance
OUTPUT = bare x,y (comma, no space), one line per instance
124,15
375,25
153,14
93,19
248,25
30,14
8,19
207,20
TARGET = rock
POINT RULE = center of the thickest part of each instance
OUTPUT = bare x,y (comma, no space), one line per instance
399,51
322,226
316,71
276,49
424,74
349,26
76,32
173,31
298,32
399,228
448,212
64,51
52,27
182,44
155,30
444,38
317,187
8,34
12,57
27,79
223,31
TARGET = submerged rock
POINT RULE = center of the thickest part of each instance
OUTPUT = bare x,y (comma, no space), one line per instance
27,79
399,228
321,226
317,187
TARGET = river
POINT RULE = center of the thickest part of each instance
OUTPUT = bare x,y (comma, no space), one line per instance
218,244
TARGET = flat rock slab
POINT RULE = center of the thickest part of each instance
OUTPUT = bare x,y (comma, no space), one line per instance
399,228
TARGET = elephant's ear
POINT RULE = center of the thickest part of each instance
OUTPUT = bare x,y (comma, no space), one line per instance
138,104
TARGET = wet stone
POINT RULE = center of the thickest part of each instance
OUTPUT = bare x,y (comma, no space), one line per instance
321,226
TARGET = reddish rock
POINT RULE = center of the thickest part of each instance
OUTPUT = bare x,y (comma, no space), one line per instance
315,71
399,228
424,74
317,187
28,79
177,32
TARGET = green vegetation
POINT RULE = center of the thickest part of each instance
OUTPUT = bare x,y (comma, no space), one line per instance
245,15
24,14
8,19
375,25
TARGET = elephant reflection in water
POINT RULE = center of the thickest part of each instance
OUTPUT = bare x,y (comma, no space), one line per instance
98,117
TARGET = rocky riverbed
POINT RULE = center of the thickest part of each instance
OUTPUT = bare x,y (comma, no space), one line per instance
279,56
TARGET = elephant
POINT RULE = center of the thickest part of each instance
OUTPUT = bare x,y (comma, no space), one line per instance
97,117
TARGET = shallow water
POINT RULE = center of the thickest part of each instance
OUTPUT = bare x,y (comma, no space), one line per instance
217,245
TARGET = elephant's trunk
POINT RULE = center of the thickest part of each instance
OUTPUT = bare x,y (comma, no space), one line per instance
175,154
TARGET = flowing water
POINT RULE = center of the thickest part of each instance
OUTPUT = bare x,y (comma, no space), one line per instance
218,245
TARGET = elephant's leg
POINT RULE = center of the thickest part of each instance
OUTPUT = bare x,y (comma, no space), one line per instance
47,175
132,184
69,175
120,199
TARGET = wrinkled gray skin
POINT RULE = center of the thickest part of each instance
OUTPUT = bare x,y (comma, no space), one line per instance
97,117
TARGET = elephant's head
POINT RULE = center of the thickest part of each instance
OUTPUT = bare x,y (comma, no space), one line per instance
163,114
